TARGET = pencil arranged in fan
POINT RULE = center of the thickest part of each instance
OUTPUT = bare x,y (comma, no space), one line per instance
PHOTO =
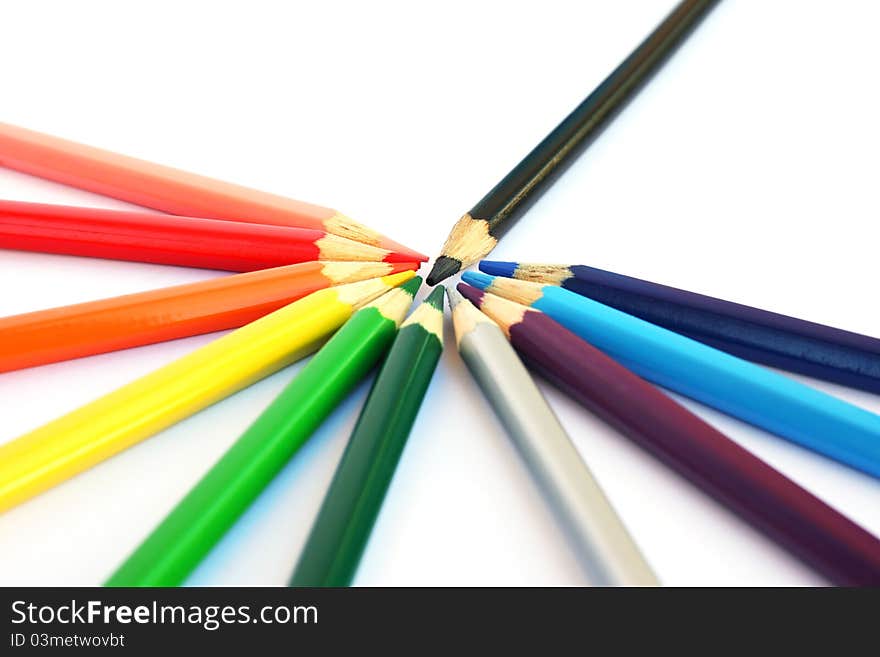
172,190
758,335
755,394
172,240
133,320
833,545
478,231
342,529
88,435
179,543
599,538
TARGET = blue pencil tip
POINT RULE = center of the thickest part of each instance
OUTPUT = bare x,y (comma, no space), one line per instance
477,279
498,268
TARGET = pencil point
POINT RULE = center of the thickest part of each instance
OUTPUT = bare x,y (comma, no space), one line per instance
404,251
398,257
444,267
397,267
478,279
394,280
498,268
454,297
435,299
472,294
411,287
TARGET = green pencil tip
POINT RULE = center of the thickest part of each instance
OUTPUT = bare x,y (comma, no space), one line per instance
411,287
435,299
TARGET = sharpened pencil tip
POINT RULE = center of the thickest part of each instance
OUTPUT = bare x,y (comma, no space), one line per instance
435,299
444,267
397,267
498,268
472,294
478,279
411,287
454,297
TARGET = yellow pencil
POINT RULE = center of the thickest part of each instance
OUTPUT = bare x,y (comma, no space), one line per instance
75,442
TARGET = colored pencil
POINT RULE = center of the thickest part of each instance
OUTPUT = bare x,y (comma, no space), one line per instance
172,240
133,320
758,335
342,529
172,190
599,538
826,540
199,521
478,231
92,433
776,403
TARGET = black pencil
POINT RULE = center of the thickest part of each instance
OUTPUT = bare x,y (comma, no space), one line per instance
478,231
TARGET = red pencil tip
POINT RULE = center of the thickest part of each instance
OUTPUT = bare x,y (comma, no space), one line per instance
401,257
397,267
400,253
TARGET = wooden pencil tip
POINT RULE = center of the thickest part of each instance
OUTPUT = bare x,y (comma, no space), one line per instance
522,292
478,279
360,293
444,267
468,242
345,226
412,286
401,251
395,303
454,297
397,267
498,268
435,299
429,314
504,312
465,316
398,256
421,257
394,280
533,272
472,294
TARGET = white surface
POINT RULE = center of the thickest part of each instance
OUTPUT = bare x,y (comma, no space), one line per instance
746,170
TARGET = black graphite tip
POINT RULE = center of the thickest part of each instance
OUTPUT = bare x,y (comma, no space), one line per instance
444,267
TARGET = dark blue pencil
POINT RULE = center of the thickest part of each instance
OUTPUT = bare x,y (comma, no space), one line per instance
765,337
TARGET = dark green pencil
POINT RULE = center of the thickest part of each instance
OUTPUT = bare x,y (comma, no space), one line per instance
351,506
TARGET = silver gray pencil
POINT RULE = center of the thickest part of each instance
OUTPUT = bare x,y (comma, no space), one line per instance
601,541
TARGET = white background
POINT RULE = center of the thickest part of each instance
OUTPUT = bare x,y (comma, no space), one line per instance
746,170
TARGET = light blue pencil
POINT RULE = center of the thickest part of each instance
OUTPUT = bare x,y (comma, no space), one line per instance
803,415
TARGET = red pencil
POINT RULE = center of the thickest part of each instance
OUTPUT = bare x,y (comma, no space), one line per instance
172,190
173,240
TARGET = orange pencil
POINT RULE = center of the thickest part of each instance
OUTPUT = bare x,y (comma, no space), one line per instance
171,190
132,320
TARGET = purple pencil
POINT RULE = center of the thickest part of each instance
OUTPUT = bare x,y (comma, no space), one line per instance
833,545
